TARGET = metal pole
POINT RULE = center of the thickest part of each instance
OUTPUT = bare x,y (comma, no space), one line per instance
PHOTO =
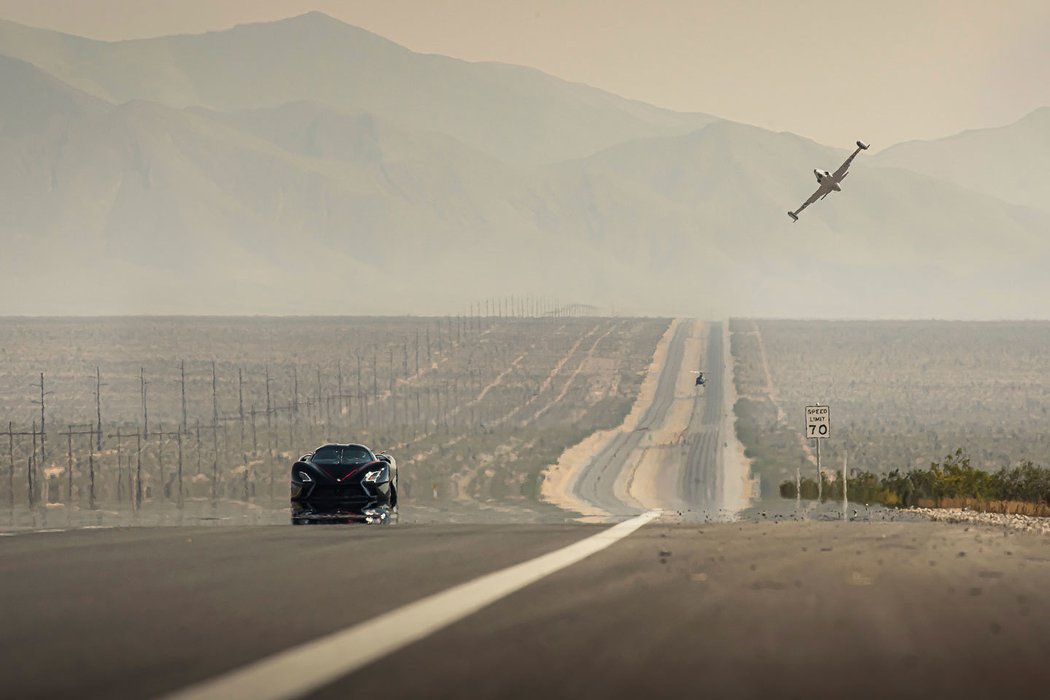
845,498
820,486
32,468
160,461
98,407
145,409
43,424
138,471
295,389
185,427
215,462
178,437
240,401
11,459
798,488
120,468
214,395
91,474
69,467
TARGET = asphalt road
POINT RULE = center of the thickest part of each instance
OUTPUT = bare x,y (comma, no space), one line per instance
596,484
753,609
701,479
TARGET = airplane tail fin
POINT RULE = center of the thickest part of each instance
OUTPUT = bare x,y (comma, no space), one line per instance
793,216
862,146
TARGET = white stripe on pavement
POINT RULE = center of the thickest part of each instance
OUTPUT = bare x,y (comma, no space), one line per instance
297,671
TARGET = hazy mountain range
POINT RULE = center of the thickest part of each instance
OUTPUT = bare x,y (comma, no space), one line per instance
307,166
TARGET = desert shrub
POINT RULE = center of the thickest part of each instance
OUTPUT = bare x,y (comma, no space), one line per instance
952,481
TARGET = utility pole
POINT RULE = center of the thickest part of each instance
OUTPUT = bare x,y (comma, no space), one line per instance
255,443
214,395
360,396
43,429
240,401
214,432
185,427
160,458
178,440
798,488
845,482
339,384
138,471
375,385
269,410
120,466
30,469
320,399
98,406
145,410
91,473
69,466
295,389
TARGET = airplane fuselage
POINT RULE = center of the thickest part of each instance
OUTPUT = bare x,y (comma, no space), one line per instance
829,182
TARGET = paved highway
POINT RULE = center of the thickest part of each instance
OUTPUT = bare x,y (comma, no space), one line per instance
751,609
653,606
695,464
701,479
597,483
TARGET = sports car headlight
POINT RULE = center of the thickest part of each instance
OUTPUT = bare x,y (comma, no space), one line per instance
372,477
304,477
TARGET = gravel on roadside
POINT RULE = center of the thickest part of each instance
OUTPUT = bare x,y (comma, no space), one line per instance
1023,523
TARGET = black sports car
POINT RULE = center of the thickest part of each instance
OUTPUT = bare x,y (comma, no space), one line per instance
347,481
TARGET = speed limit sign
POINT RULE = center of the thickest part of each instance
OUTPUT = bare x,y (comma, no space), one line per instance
818,422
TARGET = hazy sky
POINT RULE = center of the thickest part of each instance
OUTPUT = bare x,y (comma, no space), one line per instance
832,70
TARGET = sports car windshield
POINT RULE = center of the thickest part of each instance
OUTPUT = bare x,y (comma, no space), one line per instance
342,455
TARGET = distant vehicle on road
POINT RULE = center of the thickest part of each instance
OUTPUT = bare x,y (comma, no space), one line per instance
829,182
700,381
343,481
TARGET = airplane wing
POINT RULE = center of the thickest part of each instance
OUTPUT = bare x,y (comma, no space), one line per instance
861,146
821,191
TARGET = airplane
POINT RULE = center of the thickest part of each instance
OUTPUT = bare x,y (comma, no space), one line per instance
829,182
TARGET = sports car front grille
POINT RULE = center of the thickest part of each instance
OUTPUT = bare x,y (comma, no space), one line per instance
343,492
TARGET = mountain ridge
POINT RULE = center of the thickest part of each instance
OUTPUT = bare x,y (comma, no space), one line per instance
311,205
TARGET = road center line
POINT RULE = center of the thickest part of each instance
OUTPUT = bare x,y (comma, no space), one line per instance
297,671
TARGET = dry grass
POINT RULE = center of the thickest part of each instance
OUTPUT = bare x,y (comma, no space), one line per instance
1038,510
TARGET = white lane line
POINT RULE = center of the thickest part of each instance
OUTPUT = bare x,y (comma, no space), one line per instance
297,671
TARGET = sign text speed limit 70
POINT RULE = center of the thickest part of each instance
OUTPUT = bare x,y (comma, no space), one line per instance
818,422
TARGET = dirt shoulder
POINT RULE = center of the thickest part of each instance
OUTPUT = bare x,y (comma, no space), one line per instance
654,477
560,478
738,486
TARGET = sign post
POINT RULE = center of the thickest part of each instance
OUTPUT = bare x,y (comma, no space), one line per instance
818,427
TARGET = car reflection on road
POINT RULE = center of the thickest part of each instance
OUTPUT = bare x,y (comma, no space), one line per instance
343,514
